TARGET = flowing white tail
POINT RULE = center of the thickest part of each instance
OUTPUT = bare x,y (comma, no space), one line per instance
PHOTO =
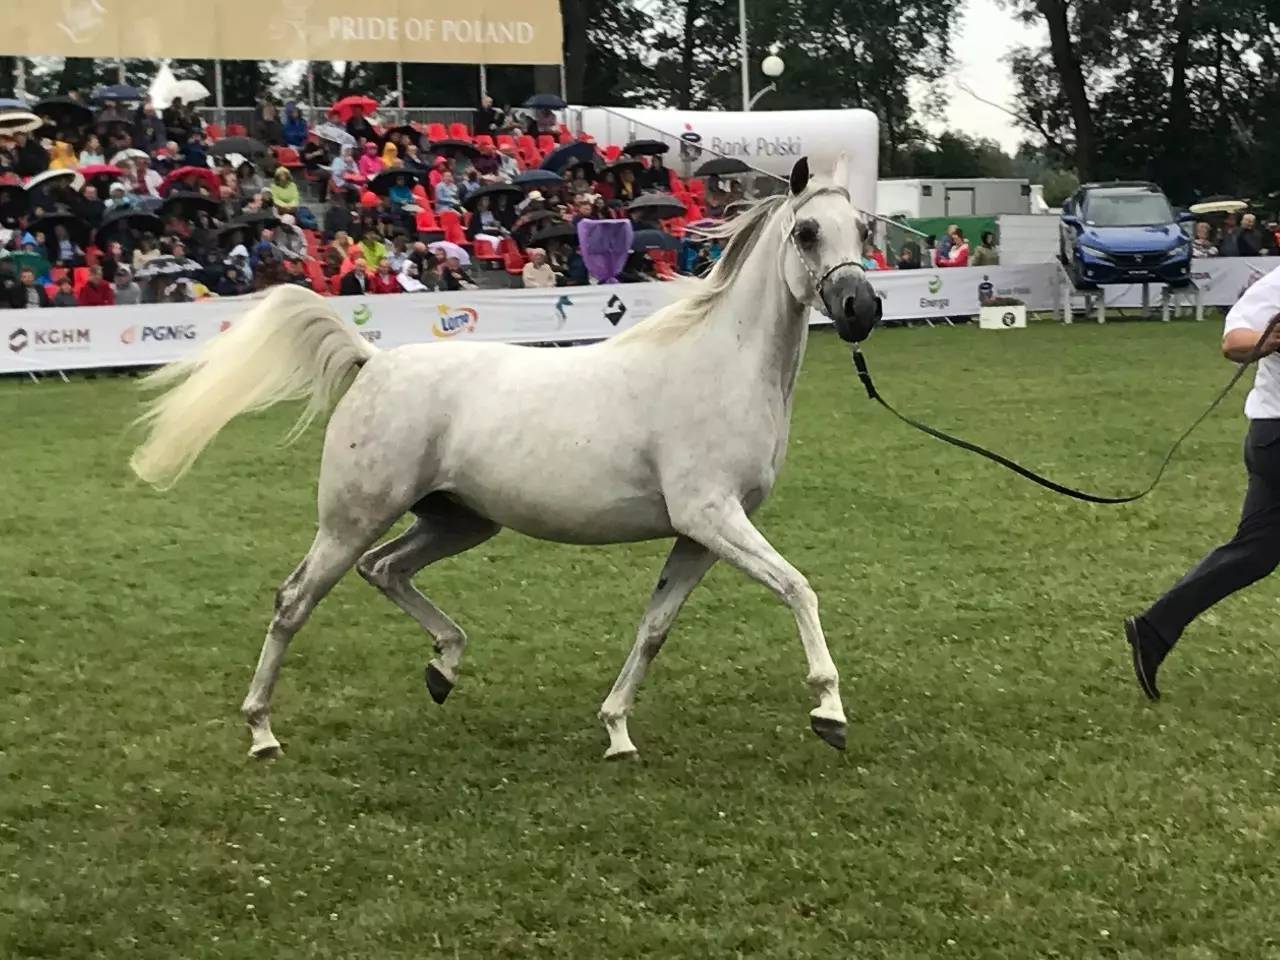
292,346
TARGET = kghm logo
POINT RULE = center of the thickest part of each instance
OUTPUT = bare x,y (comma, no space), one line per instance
18,340
935,284
455,320
361,315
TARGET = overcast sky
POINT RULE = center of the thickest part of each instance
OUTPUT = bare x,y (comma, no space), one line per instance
983,37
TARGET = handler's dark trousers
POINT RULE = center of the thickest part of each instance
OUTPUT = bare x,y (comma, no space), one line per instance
1252,553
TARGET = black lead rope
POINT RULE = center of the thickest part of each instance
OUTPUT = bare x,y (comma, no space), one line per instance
865,376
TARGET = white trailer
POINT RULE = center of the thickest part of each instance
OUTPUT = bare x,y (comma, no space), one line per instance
977,197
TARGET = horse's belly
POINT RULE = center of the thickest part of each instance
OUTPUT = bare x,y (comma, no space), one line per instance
573,519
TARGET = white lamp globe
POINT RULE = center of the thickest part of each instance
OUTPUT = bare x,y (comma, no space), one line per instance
773,66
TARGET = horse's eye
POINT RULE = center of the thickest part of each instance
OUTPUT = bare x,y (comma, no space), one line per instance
807,234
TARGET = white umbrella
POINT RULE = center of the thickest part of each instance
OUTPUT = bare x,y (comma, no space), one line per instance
451,250
335,134
133,153
19,121
1219,206
73,178
166,88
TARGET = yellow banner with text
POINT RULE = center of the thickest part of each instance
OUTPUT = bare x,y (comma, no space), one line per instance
411,31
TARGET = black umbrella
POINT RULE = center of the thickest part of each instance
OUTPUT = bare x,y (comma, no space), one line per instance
64,113
383,182
78,229
564,232
569,154
119,92
722,167
246,146
657,206
186,203
454,148
14,201
635,166
234,233
129,220
169,268
405,129
259,219
494,190
654,240
588,170
106,129
539,178
545,101
645,148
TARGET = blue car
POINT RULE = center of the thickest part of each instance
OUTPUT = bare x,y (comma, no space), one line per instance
1120,233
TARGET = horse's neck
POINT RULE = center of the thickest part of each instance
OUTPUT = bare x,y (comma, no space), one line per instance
760,326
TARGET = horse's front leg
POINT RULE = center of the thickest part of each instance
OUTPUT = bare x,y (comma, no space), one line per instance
724,528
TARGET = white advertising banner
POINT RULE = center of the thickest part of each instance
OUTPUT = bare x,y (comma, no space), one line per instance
1222,281
77,338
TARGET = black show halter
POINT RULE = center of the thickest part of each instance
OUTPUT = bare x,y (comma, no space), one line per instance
864,374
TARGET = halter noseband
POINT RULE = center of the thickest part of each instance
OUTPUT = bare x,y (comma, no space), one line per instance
789,229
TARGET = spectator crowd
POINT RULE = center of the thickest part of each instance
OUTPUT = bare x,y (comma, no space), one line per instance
106,200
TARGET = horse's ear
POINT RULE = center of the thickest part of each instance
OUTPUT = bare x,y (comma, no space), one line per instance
800,176
840,177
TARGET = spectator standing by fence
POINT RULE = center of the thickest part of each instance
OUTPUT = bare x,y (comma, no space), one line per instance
29,295
1202,245
987,254
1253,240
959,251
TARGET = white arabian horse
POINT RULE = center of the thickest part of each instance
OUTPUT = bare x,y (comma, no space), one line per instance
675,428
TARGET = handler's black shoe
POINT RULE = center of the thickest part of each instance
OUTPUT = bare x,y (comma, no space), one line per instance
1149,650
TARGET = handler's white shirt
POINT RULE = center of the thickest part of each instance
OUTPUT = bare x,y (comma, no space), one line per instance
1253,311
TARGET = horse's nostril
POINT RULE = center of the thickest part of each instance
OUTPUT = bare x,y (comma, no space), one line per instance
850,306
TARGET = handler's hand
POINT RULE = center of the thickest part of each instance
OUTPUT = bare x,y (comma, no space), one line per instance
1270,340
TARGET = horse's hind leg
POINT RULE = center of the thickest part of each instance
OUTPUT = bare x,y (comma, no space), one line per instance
444,528
328,559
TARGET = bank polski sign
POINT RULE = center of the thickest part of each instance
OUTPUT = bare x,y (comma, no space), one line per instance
771,140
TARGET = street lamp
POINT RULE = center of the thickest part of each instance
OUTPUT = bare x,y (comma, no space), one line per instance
771,67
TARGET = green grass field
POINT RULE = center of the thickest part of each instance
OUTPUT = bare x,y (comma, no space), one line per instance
1006,792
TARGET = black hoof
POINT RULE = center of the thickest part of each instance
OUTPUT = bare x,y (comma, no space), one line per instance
438,685
832,731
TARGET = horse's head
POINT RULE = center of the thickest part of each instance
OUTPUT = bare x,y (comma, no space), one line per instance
822,262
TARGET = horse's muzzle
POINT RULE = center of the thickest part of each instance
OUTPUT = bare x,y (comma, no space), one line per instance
852,304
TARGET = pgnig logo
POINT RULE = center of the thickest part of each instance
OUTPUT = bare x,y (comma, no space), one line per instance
175,331
454,320
18,340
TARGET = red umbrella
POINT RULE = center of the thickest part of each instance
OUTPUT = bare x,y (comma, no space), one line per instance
347,106
100,170
191,176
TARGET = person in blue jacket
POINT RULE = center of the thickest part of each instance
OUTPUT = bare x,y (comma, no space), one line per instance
295,126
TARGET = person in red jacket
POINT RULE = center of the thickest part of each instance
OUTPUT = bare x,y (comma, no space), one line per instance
959,255
97,292
384,281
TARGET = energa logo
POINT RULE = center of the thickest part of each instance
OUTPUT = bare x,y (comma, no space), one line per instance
454,320
361,315
935,284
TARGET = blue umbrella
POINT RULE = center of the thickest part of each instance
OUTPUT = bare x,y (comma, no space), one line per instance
568,155
118,92
538,178
654,240
545,101
10,103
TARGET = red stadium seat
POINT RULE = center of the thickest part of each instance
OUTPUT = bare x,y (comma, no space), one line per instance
288,157
566,137
459,131
546,143
526,142
79,277
483,140
612,152
451,224
213,131
237,130
425,219
436,131
505,140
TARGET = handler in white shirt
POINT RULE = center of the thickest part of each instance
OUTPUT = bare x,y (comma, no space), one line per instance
1254,551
